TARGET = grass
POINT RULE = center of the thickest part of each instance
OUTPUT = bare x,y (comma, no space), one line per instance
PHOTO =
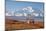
11,25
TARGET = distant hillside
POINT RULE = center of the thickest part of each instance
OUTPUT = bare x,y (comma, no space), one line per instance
23,18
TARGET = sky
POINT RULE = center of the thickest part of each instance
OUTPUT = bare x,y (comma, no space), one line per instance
33,8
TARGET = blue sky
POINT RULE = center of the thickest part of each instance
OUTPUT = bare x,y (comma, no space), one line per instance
13,5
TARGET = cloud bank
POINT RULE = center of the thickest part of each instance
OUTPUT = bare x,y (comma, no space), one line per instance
24,12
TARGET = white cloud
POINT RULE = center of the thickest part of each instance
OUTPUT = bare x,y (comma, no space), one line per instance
18,14
25,14
24,9
29,8
41,15
35,14
31,11
7,14
12,13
